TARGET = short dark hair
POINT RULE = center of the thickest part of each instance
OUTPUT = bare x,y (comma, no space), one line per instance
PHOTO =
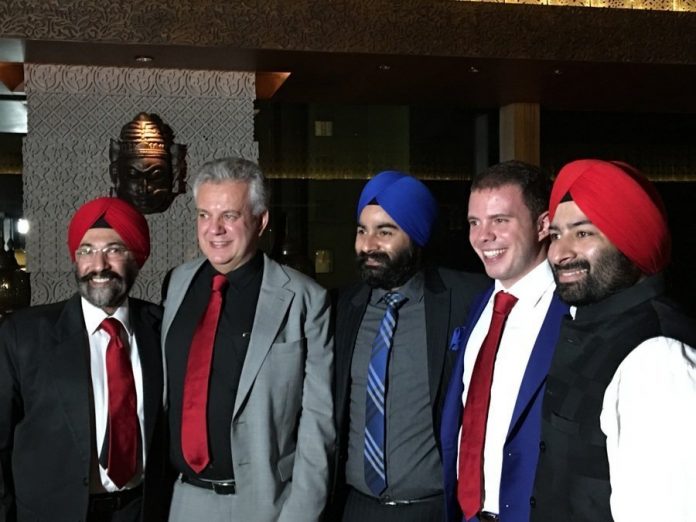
534,183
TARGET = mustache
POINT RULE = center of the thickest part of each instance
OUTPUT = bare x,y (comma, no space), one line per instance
375,256
102,273
574,265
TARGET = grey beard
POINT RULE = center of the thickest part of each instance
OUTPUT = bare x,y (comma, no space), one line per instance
111,295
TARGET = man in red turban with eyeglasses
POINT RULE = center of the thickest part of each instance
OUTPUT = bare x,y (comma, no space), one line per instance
619,411
81,386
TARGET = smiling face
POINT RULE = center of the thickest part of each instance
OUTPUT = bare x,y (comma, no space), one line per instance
104,280
502,232
228,231
386,255
586,265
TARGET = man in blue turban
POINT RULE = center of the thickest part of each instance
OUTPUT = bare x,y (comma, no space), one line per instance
392,358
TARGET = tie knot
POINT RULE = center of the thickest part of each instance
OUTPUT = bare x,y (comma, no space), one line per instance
219,282
503,303
111,326
395,299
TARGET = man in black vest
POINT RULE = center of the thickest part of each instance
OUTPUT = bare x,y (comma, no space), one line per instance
618,420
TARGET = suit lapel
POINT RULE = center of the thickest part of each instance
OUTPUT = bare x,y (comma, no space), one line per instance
351,322
347,326
176,292
452,409
71,372
437,325
274,301
539,360
148,350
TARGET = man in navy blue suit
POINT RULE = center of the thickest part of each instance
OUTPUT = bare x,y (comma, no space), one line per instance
491,418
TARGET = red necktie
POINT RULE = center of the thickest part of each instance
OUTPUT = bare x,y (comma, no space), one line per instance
473,435
194,418
123,419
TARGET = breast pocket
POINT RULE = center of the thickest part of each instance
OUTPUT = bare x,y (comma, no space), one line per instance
564,424
287,359
287,352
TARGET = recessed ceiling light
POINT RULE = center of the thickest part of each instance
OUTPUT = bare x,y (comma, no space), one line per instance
143,59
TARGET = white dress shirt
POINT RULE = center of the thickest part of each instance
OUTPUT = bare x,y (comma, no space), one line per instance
534,293
649,418
98,342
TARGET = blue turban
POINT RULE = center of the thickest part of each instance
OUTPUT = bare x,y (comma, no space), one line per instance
409,203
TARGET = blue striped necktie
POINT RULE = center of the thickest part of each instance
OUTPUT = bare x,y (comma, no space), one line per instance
375,470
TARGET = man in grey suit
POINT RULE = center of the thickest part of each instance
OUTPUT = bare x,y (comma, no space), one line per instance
249,359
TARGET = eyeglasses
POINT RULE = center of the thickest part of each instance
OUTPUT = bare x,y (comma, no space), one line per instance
112,252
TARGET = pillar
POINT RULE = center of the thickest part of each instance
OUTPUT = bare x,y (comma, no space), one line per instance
519,132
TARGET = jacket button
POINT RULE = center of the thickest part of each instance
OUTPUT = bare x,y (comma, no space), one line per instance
85,481
542,446
532,501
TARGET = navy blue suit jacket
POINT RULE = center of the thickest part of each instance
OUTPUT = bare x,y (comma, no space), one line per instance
521,450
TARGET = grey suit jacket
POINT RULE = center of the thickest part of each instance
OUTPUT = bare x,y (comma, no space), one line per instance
282,425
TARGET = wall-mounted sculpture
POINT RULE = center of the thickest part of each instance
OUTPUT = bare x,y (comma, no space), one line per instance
147,168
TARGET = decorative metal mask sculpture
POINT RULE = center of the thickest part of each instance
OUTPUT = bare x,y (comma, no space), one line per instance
147,168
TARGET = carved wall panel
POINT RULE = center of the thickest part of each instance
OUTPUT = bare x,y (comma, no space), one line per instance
74,111
418,27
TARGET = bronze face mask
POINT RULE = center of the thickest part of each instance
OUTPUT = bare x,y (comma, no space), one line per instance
147,168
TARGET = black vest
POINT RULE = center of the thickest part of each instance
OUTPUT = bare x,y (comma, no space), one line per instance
572,480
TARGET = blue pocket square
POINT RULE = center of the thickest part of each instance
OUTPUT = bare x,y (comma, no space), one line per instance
457,338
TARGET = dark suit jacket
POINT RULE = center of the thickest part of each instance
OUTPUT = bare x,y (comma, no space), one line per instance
447,297
46,412
521,450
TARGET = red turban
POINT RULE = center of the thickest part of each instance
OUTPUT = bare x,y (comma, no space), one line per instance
121,216
623,204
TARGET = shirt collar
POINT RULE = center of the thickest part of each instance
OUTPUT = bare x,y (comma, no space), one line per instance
94,316
243,275
533,285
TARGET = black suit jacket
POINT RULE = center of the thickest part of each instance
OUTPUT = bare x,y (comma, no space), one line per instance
46,412
447,296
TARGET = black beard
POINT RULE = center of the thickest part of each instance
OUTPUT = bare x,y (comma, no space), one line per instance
111,295
611,273
392,273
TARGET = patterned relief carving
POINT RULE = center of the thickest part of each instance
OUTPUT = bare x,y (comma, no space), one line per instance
74,111
153,82
435,27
